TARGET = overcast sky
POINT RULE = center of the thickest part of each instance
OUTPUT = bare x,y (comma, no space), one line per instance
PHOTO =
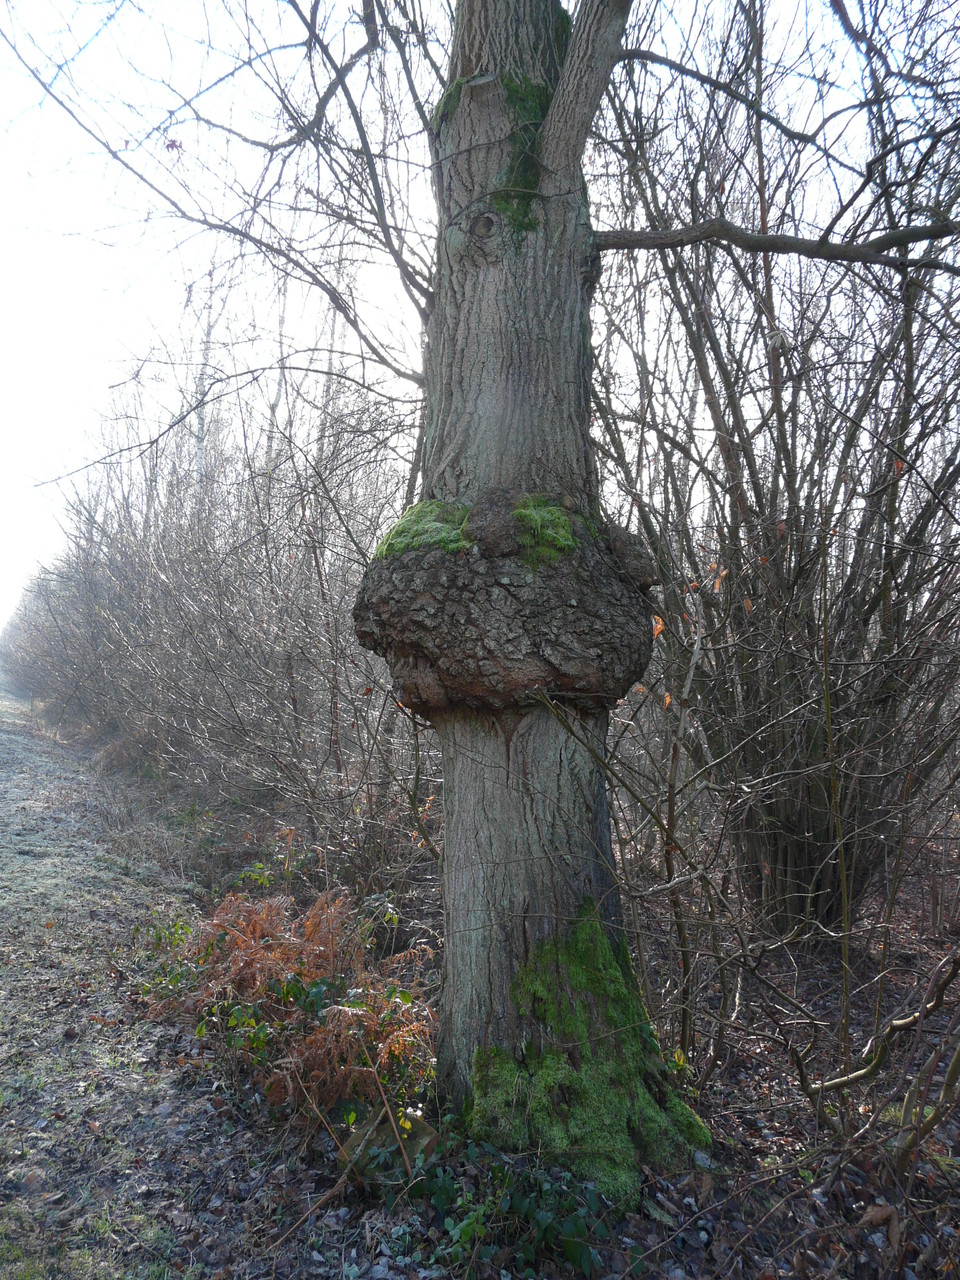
87,289
90,284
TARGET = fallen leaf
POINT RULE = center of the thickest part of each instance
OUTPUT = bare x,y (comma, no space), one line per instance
893,1231
876,1214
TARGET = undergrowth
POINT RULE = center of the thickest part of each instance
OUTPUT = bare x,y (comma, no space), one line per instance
511,1214
296,1001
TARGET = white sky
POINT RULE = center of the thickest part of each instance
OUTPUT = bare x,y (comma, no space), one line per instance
85,290
88,286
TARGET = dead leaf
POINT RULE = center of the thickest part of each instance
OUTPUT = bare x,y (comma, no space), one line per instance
876,1214
893,1231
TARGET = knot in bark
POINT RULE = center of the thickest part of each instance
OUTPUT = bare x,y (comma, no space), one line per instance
533,599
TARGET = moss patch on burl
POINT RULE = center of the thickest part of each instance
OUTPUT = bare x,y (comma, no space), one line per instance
546,532
596,1096
427,524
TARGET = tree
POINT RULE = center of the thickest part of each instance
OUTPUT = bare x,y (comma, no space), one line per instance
504,588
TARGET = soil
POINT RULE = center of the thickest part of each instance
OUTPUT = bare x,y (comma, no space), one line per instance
128,1152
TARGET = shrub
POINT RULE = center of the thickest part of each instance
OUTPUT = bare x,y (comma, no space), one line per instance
293,1000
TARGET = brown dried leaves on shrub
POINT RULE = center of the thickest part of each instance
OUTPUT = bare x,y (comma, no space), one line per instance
295,1001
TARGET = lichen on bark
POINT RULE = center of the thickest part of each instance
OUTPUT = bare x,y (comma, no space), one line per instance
593,1092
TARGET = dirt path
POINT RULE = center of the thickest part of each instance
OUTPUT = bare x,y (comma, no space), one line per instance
122,1154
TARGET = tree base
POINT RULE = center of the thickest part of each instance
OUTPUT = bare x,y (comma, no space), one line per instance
593,1094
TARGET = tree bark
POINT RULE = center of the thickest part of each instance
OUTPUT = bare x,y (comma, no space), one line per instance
511,588
527,842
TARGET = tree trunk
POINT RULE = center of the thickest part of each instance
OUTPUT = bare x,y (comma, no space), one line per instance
527,843
503,586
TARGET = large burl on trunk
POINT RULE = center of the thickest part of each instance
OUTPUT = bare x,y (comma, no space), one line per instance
503,596
529,600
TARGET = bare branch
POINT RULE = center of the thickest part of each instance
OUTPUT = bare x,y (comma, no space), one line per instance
721,86
873,252
593,52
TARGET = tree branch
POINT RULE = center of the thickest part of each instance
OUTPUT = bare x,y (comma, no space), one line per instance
875,252
721,86
594,49
340,74
276,253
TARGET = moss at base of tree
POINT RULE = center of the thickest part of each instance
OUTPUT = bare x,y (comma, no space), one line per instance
427,524
599,1103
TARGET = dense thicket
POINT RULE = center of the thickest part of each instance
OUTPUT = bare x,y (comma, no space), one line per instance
199,623
784,431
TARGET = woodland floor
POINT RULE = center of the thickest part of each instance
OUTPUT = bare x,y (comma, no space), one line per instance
127,1154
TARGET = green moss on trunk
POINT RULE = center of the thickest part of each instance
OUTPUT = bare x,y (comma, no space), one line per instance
447,107
594,1095
427,524
545,531
527,103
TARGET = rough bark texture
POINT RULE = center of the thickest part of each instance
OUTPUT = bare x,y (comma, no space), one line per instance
508,354
526,842
478,620
488,627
